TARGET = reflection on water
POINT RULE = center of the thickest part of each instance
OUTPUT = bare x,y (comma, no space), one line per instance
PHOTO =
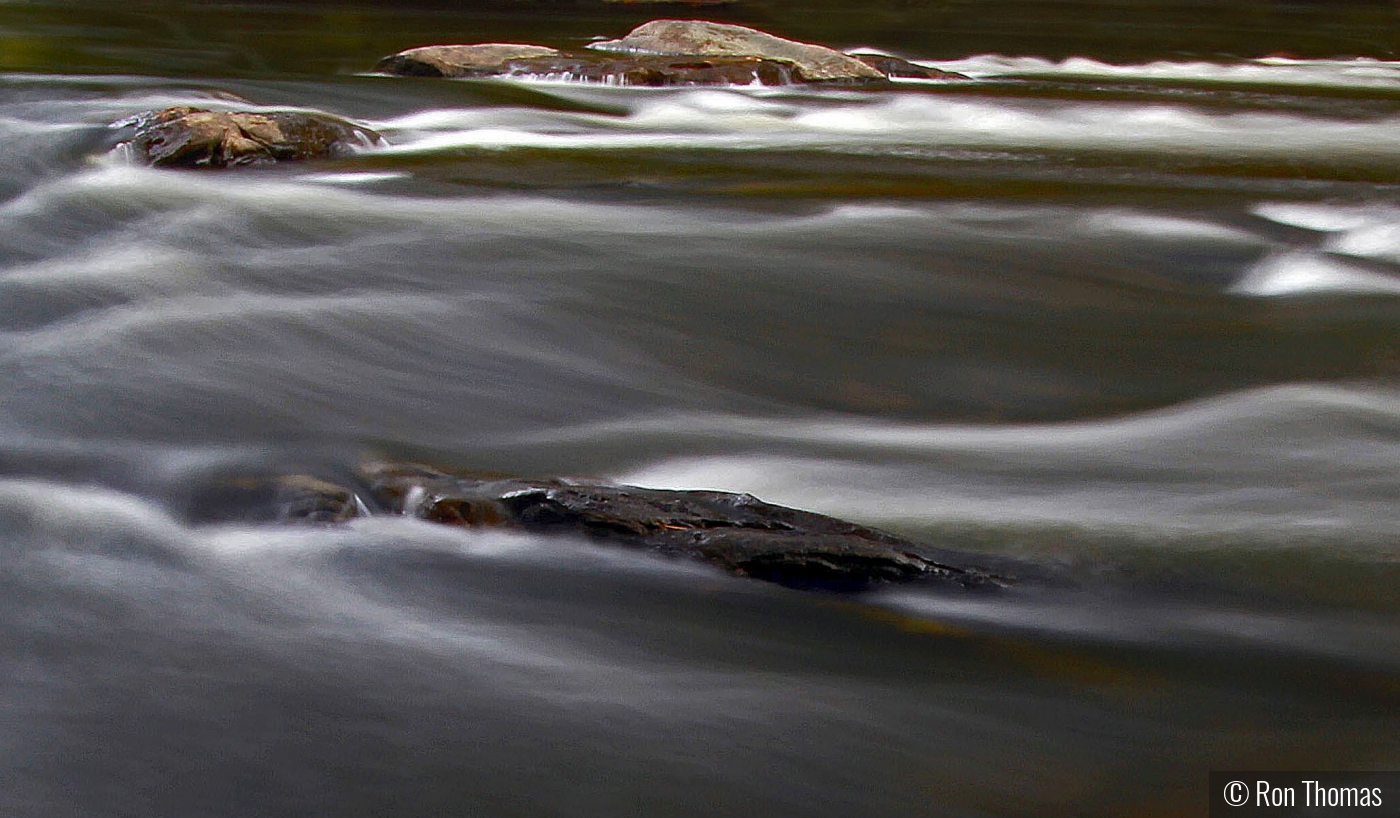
1119,314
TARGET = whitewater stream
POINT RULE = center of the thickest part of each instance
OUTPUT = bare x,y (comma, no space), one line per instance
1133,324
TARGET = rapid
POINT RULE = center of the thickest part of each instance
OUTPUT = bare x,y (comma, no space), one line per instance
1132,323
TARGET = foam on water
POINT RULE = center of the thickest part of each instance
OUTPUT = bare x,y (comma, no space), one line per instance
1279,71
1128,475
1370,231
1327,218
1300,272
156,208
692,119
1285,405
1373,640
353,178
45,513
134,267
1115,222
131,193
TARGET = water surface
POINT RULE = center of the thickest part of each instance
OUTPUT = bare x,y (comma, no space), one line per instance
1122,310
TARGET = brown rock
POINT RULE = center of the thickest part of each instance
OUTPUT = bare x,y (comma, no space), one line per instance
810,63
191,137
643,70
458,60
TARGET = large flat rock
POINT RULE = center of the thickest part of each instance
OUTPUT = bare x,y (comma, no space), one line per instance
480,59
701,38
661,53
610,69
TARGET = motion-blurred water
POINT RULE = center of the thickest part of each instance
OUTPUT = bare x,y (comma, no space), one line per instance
1134,324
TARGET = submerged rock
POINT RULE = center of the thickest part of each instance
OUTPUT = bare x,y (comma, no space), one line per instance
482,59
293,498
736,532
196,138
810,63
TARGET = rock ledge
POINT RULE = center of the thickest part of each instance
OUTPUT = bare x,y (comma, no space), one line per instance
736,532
664,53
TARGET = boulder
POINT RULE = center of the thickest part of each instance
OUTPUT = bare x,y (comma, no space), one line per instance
663,53
736,532
458,60
196,138
700,38
639,70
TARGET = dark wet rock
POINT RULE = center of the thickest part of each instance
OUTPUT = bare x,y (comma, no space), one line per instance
737,532
701,38
642,70
903,69
482,59
196,138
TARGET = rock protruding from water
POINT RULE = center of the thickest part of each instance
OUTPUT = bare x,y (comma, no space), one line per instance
701,38
736,532
186,137
663,53
646,70
483,59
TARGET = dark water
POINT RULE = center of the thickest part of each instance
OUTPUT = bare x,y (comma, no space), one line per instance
1126,309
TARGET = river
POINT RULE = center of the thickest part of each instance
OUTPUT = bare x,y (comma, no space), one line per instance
1124,310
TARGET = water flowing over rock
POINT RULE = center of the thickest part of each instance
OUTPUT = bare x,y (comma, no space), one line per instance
481,59
195,138
641,70
736,532
811,63
660,53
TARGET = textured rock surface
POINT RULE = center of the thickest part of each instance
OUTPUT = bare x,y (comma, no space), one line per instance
195,138
664,53
737,532
639,70
458,60
811,63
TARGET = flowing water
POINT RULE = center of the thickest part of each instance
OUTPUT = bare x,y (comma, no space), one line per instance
1121,311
